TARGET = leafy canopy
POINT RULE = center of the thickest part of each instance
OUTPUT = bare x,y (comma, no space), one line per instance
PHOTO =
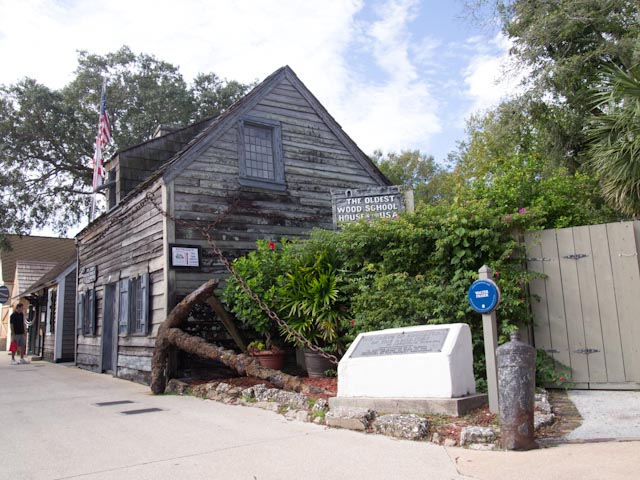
47,136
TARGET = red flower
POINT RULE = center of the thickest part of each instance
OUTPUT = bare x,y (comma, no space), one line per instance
496,274
272,246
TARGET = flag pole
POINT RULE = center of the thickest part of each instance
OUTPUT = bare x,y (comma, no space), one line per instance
103,137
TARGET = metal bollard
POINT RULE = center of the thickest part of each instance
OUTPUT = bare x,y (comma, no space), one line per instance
516,364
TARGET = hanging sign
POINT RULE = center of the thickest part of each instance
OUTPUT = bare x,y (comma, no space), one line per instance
484,296
374,202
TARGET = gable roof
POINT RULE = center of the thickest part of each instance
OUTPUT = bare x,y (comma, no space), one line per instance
27,273
35,249
220,124
50,278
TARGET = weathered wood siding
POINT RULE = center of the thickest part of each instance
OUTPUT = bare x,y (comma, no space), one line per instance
48,352
128,244
315,161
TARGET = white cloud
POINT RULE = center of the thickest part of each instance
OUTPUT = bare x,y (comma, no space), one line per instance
363,59
487,78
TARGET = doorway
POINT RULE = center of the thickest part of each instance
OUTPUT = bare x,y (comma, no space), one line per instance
109,360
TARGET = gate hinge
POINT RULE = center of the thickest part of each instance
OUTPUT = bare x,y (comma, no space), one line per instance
586,351
538,259
576,256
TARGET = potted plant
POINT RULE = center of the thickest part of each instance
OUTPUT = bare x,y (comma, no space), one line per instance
272,357
314,309
302,286
261,270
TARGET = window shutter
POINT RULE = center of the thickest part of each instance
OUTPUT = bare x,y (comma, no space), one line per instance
80,310
91,314
144,296
123,307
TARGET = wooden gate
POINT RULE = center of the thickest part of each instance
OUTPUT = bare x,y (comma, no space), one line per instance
588,313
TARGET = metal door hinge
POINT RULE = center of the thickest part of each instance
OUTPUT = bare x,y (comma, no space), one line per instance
576,256
538,259
586,351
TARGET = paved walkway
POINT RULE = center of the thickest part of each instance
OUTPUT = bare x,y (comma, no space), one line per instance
606,414
60,422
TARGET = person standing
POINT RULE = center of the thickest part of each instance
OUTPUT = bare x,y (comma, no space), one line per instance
16,322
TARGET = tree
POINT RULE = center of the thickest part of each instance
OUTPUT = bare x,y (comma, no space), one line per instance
429,181
563,44
47,136
615,138
505,164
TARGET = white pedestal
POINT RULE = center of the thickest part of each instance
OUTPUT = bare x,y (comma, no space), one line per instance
429,361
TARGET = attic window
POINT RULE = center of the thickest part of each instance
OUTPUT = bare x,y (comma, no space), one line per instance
260,154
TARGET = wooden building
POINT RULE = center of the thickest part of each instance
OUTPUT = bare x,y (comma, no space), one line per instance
25,262
263,169
52,313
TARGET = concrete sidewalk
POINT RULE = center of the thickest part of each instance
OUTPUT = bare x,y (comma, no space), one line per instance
60,422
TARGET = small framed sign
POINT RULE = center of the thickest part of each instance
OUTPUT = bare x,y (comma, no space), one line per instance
184,256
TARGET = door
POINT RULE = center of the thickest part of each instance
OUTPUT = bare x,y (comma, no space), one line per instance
109,330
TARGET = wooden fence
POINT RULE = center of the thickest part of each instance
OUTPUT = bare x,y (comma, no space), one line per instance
587,315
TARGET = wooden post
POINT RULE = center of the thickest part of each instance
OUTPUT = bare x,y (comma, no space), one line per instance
490,332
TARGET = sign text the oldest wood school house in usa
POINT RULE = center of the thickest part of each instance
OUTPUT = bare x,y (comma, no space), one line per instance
375,202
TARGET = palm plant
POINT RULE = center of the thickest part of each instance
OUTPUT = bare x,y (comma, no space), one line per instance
614,135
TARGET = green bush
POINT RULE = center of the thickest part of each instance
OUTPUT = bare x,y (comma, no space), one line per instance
413,270
297,281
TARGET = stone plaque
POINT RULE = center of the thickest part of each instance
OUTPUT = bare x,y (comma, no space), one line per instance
403,343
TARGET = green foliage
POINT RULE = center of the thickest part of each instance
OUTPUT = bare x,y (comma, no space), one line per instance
390,273
550,372
300,283
503,164
562,47
47,136
430,182
263,271
615,138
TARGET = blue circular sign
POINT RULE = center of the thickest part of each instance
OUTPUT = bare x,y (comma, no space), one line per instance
484,296
4,294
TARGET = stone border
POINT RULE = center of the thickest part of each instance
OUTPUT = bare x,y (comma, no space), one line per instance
297,406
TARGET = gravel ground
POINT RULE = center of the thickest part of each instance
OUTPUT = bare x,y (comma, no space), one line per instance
606,414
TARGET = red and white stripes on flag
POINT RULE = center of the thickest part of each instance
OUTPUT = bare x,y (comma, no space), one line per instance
102,139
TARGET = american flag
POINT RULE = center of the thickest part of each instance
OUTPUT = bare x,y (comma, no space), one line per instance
102,139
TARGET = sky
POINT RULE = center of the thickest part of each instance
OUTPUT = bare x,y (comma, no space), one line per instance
396,74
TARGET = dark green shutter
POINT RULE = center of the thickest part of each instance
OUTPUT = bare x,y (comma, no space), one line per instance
124,309
81,300
144,296
91,314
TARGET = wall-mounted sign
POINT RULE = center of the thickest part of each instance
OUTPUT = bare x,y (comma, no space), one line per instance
484,296
185,256
89,274
375,202
4,294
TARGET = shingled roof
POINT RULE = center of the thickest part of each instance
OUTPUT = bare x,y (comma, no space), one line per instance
218,126
33,249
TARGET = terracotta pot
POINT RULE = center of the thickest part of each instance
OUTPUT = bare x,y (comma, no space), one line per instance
270,359
317,364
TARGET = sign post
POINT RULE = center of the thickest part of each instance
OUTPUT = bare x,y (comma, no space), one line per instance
484,297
